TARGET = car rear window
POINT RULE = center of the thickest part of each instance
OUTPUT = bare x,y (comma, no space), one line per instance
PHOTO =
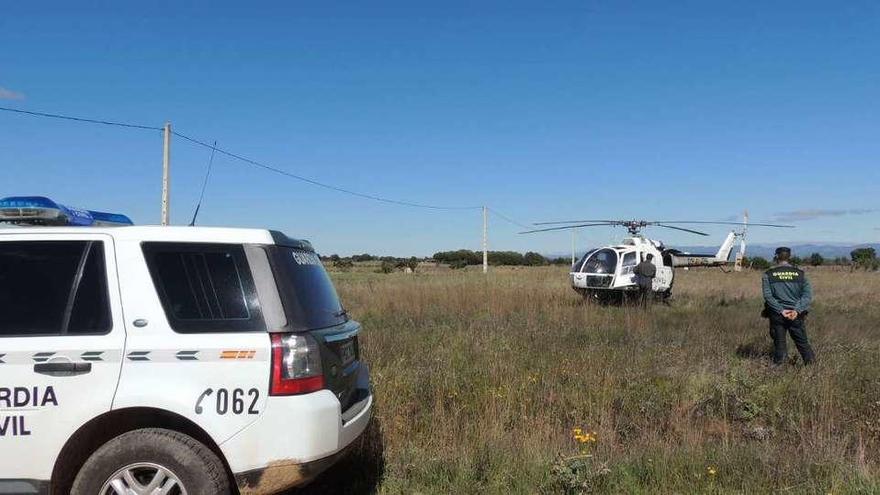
307,293
204,288
53,288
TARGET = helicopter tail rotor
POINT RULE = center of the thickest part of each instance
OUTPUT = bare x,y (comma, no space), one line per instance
741,256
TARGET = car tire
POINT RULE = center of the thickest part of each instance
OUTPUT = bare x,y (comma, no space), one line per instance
148,455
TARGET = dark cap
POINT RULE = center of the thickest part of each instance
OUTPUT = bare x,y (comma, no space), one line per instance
785,251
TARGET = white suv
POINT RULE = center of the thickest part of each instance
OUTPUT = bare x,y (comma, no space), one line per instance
184,360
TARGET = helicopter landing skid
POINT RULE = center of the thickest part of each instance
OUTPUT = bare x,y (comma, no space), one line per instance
621,297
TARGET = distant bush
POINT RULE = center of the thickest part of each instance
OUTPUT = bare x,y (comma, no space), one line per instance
343,264
510,258
363,257
865,258
386,267
469,257
458,264
758,263
816,259
412,263
535,259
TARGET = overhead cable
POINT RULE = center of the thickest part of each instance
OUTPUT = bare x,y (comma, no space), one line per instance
244,159
80,119
283,172
507,219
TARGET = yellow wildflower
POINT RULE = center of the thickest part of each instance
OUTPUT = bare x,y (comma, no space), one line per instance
582,437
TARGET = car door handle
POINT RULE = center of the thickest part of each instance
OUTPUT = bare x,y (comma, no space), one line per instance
62,369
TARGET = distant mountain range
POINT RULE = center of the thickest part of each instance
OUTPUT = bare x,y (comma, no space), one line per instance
827,250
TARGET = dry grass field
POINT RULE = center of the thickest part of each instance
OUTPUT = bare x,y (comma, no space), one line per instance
481,383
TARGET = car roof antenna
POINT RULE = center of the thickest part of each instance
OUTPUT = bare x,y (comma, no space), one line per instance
204,185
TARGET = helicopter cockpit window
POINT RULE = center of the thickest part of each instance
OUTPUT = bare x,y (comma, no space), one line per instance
603,261
579,265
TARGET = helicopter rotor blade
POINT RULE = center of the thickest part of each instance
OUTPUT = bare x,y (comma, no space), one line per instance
743,224
666,222
578,221
681,228
566,227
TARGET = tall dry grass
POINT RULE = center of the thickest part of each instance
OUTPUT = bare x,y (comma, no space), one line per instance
480,380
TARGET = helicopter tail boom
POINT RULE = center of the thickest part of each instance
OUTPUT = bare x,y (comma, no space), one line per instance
681,260
724,251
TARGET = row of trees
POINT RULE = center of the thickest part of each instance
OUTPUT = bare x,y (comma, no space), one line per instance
464,257
333,258
387,264
455,259
862,258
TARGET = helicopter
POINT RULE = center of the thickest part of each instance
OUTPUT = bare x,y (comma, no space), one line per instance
606,275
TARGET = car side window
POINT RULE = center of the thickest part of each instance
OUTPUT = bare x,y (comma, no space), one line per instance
204,288
53,288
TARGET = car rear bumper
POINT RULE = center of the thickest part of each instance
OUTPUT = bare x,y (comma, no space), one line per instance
296,438
282,476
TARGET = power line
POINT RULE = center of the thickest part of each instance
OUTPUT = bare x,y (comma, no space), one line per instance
320,184
80,119
214,149
508,219
243,159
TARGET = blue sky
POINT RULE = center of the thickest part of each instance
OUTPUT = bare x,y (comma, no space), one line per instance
542,110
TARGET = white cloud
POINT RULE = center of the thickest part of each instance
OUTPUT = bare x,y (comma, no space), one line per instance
812,214
8,94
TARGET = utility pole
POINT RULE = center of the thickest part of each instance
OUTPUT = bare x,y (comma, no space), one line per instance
572,246
166,172
485,240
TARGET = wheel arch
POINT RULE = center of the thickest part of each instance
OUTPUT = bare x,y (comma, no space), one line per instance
101,429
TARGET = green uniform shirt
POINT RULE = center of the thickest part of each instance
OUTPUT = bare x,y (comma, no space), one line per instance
787,287
645,273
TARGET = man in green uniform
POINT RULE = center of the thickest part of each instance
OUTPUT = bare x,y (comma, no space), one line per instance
787,298
645,273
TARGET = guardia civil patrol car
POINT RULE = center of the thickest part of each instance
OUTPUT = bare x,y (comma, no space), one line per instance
173,360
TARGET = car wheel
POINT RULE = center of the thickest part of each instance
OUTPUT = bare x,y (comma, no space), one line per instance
152,461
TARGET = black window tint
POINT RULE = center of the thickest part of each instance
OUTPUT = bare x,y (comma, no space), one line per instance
204,287
53,288
91,308
308,295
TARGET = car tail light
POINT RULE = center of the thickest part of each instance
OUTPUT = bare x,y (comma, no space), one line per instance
296,365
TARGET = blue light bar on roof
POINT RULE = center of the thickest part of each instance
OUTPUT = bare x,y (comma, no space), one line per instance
39,210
